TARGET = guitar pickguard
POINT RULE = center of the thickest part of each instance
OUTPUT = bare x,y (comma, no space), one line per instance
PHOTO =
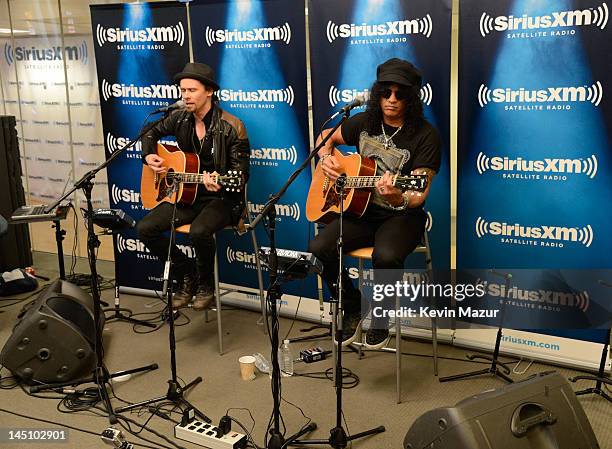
332,199
165,189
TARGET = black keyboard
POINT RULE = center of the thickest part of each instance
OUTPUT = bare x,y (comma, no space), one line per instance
37,213
293,264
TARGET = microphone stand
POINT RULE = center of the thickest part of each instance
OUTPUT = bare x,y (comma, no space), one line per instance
601,377
101,375
495,363
175,393
277,440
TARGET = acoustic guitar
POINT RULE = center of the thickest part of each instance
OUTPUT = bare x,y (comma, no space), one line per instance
181,180
323,202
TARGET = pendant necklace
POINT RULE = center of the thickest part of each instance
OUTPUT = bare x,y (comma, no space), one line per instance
388,139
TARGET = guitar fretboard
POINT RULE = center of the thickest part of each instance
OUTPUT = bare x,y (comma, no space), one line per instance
356,182
195,178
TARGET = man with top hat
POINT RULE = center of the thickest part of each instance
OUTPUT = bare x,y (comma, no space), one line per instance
221,142
394,133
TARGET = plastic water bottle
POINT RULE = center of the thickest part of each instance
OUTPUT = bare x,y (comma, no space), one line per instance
285,359
262,363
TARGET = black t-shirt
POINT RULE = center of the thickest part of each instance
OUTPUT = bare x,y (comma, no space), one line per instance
422,148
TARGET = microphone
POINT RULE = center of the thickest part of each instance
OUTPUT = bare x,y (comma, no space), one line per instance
358,101
176,105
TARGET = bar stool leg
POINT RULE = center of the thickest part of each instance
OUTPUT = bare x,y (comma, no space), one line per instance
262,296
360,285
398,352
218,305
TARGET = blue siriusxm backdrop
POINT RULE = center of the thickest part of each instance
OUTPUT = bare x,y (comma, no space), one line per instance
139,47
258,50
528,170
349,38
534,151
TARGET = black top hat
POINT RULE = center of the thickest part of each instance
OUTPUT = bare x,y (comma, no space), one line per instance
398,71
198,71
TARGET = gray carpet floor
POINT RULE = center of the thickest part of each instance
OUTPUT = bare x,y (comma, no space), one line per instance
371,403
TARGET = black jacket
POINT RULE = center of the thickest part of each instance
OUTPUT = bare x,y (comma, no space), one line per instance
231,149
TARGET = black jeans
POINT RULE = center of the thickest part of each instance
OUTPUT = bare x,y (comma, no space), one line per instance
393,235
207,216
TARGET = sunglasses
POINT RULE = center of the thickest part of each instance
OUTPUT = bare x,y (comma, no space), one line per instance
400,94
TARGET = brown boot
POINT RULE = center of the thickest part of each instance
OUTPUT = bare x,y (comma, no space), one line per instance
186,291
204,297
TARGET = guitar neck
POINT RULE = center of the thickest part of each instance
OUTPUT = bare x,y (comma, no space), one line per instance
357,182
410,182
193,178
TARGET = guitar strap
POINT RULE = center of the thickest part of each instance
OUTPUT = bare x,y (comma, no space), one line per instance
390,159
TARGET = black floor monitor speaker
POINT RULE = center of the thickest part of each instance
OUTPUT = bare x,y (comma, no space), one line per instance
541,412
54,338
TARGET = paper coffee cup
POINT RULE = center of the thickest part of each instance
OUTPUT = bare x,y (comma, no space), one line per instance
247,367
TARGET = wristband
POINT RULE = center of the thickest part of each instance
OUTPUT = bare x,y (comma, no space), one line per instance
402,206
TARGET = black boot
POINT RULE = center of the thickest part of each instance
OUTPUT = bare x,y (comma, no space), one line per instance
186,291
205,293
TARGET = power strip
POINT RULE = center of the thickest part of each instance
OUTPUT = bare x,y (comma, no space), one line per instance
204,434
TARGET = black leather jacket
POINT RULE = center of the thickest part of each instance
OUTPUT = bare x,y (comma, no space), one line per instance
231,149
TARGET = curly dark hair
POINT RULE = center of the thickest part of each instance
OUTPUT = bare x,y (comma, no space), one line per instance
413,117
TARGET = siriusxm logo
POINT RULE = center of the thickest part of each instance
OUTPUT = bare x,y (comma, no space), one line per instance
275,154
422,26
153,91
556,19
582,166
174,33
280,33
136,246
568,94
114,143
244,257
285,95
282,210
548,297
124,195
31,54
337,96
582,235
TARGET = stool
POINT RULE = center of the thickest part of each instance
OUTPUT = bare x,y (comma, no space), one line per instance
239,228
362,254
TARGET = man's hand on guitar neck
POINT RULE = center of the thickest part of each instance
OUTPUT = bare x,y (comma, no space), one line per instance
209,182
155,163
